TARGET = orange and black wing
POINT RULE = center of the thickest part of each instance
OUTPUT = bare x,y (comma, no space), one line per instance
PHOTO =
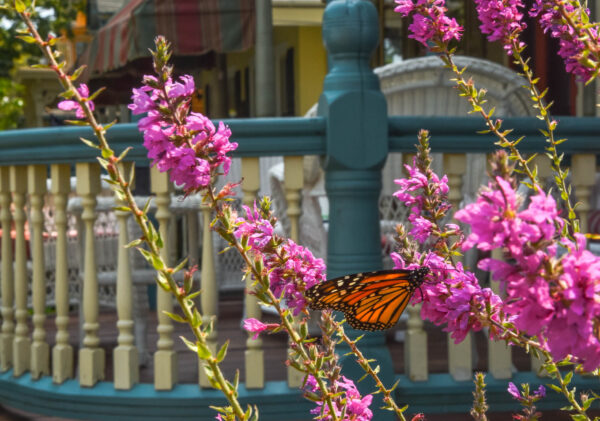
370,300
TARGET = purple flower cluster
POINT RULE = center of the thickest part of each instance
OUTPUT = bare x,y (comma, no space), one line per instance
69,104
292,268
555,298
185,143
572,49
256,230
501,20
454,296
430,22
357,407
413,192
514,391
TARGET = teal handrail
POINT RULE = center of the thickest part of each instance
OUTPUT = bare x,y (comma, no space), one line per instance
460,134
256,137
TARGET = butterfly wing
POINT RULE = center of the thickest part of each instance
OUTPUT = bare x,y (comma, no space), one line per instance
371,300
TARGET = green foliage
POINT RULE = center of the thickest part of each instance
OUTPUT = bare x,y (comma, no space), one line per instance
11,104
52,17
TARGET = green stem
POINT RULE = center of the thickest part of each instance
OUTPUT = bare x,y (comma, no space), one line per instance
563,386
364,363
275,302
550,126
493,126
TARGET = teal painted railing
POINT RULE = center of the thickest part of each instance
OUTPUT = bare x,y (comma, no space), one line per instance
354,136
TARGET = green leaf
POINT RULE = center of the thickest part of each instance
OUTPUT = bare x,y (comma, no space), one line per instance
89,143
585,19
77,72
124,154
20,6
175,317
203,351
134,243
147,206
104,164
255,415
109,125
196,318
27,38
191,346
162,281
555,388
95,94
222,352
77,123
568,377
587,403
188,283
194,294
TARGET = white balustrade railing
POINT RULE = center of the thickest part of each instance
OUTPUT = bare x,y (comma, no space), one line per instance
26,261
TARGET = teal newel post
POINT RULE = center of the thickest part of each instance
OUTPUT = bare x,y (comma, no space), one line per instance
357,146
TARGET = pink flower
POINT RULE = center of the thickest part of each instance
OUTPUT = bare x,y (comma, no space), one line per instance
572,49
514,391
452,296
186,144
142,103
300,271
489,217
552,297
501,20
347,395
430,23
69,105
413,191
256,326
185,88
258,232
291,268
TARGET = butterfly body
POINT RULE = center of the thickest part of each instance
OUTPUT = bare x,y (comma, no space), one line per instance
369,300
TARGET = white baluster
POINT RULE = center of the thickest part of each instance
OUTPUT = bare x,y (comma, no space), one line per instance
22,343
91,356
415,354
294,181
125,355
460,356
193,233
210,291
8,288
40,350
62,352
165,358
584,178
254,354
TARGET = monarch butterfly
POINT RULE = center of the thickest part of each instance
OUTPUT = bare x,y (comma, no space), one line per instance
370,300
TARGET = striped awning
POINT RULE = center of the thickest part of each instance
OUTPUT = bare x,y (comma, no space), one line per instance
193,27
